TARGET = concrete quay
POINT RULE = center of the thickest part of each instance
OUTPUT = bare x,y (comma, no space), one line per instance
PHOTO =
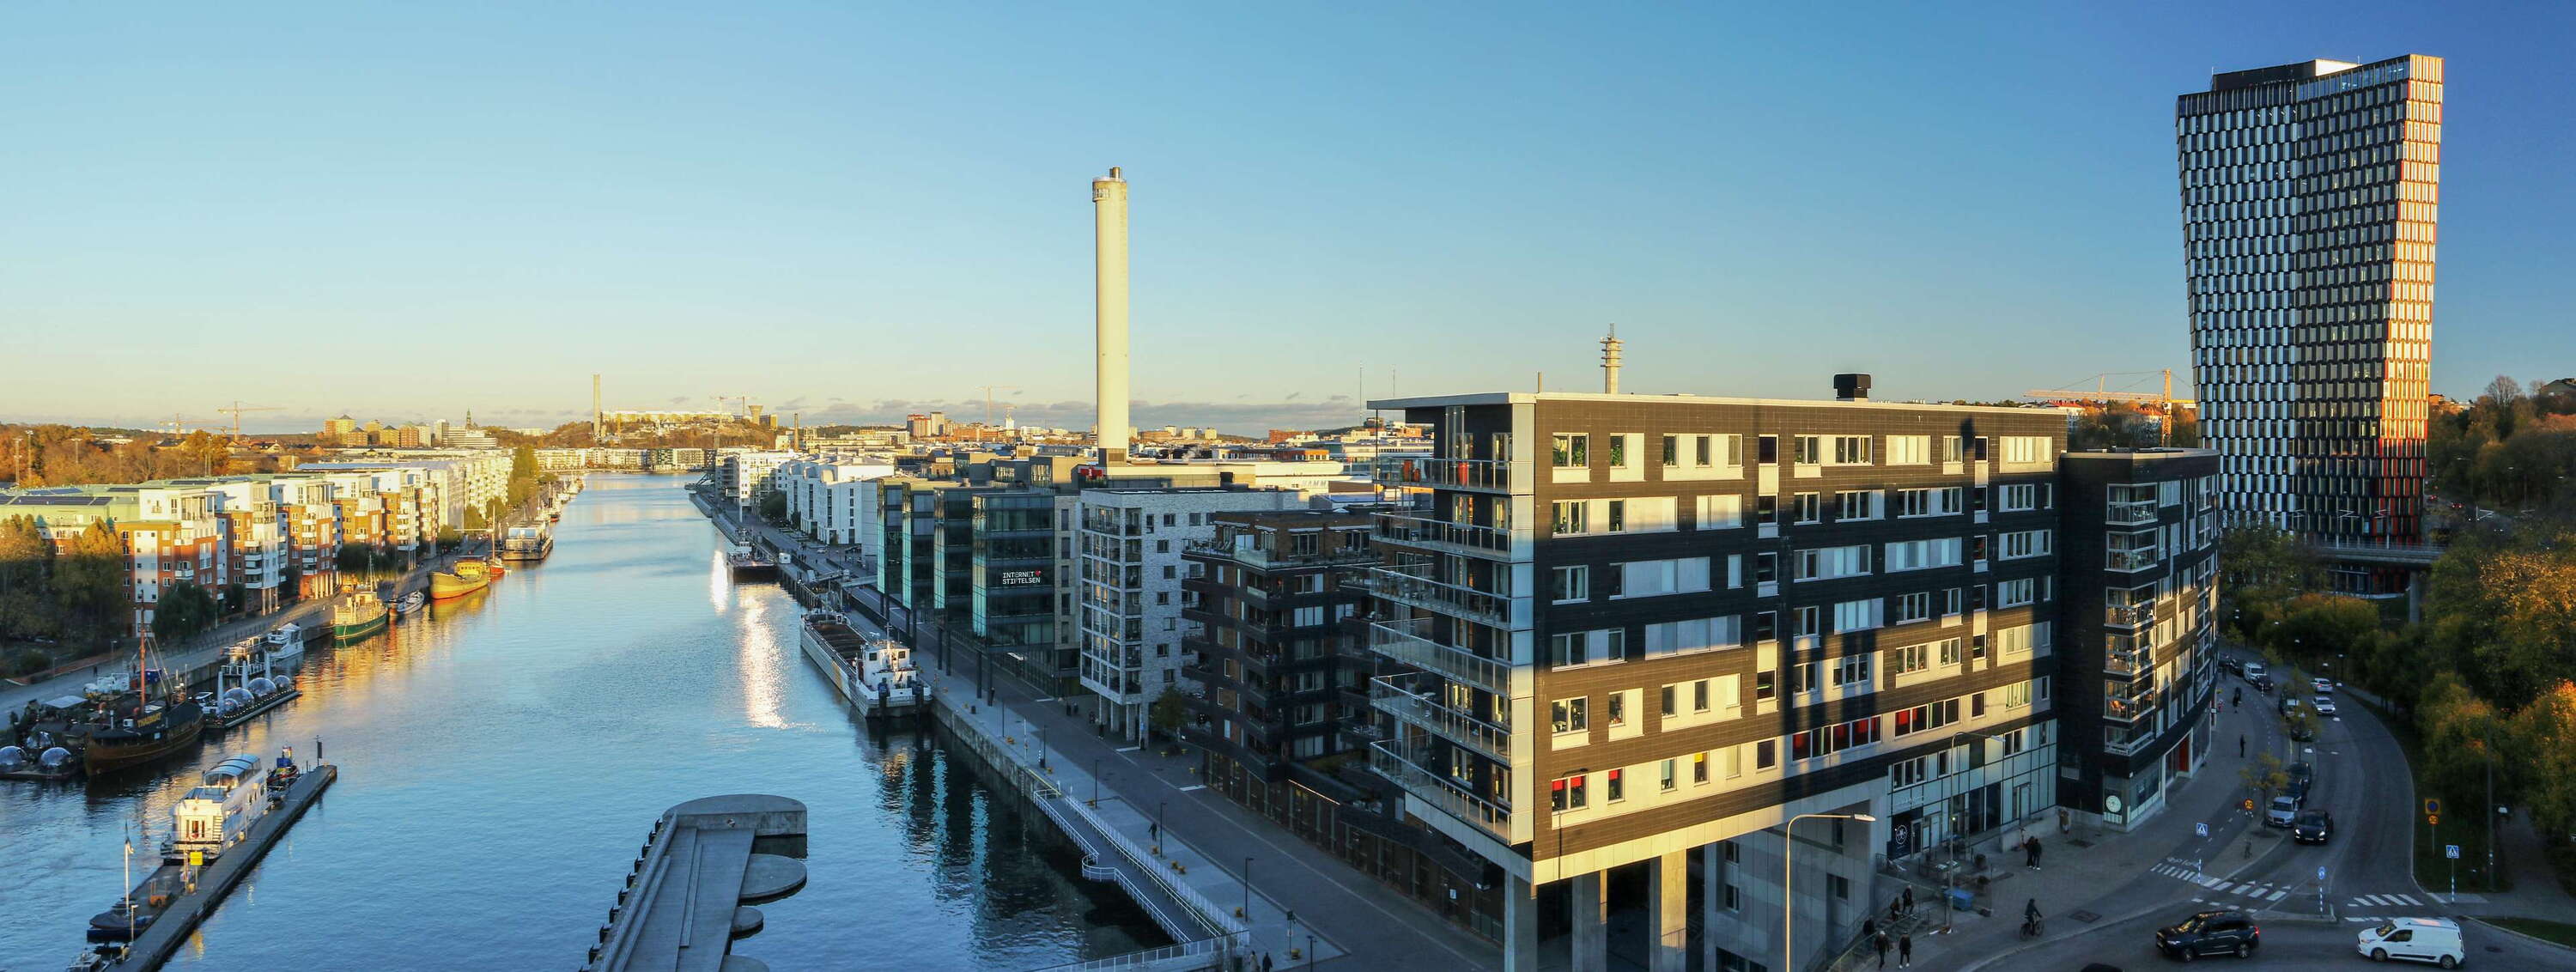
177,922
691,890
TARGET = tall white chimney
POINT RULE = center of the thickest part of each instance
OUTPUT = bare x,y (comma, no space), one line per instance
1610,362
1109,232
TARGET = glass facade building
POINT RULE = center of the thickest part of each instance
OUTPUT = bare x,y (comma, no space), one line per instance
2309,194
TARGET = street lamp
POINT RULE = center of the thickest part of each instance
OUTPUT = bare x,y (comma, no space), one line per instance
1788,897
1245,912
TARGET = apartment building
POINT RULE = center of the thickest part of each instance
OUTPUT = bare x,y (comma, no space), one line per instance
2138,626
744,476
1638,630
2309,198
829,498
1277,680
1130,543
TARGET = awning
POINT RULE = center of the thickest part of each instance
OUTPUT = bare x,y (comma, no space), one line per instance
66,702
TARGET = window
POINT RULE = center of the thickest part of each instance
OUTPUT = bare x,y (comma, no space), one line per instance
2025,448
1671,775
1949,650
1618,519
1953,602
1765,688
1618,710
1616,788
1907,772
1859,615
1567,794
1618,460
1807,508
1802,677
1922,554
1648,578
1665,708
2016,695
1698,634
1913,607
1828,563
1809,450
1720,512
1672,450
1585,647
1851,450
1856,505
1699,767
1950,451
1570,584
1572,451
1569,715
1766,450
1571,517
1851,670
1907,660
1766,567
2026,543
1766,754
2015,593
2020,496
1805,618
1766,508
1909,450
1699,695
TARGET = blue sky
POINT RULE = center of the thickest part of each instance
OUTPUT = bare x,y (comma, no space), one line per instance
404,211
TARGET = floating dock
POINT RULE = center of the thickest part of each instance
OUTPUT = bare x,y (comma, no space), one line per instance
176,922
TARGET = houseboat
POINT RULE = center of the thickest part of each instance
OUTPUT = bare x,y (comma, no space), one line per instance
527,541
876,675
357,616
467,577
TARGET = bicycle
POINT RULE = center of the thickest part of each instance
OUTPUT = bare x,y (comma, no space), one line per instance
2034,927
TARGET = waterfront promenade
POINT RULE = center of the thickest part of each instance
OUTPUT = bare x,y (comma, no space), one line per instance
1352,918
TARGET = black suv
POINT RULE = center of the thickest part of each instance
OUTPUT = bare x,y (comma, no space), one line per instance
2313,827
2303,772
2210,933
2262,683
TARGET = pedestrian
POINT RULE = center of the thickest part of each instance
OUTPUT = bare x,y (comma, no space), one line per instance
2064,823
1153,832
1905,951
1880,940
2034,853
2240,746
1909,899
1265,962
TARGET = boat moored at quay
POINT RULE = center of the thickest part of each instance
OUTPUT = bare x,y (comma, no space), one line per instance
875,674
527,541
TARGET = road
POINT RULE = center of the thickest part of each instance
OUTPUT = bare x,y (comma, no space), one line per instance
2131,945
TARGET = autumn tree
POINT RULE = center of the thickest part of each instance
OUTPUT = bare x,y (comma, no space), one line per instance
2504,609
89,585
2544,734
184,611
26,575
2261,568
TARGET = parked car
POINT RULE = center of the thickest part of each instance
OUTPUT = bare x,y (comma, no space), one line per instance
2261,683
2255,670
2326,706
2231,666
2323,685
2313,827
2283,812
2435,940
2297,791
2210,933
2289,704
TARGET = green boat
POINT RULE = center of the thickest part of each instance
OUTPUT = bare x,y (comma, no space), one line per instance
358,616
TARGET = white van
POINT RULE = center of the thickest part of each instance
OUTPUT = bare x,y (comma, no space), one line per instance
2434,940
2254,670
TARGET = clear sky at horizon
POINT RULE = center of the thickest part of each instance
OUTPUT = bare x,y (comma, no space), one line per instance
405,211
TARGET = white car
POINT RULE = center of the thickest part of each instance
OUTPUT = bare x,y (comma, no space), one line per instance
2435,940
2325,706
2322,685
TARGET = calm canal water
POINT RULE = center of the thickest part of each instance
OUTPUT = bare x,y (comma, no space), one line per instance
501,760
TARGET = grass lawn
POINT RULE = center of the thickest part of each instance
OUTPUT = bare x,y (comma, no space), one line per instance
2560,932
2461,821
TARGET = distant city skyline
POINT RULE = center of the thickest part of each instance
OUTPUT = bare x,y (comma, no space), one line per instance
420,211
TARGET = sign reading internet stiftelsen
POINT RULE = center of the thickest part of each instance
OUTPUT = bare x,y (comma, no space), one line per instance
1023,578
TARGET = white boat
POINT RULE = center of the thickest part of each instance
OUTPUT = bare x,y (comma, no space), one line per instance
218,811
287,654
876,675
287,634
253,678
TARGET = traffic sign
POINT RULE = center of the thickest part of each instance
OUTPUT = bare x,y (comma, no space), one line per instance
2202,828
2321,872
2451,851
2432,806
2434,819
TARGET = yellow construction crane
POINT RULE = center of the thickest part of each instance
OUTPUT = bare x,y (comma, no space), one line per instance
2102,389
238,408
988,399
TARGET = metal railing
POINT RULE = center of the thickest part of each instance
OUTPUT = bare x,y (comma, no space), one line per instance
1388,759
2131,513
2129,615
1403,642
1388,695
2130,560
1260,556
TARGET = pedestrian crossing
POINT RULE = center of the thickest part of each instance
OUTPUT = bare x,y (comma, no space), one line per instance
2245,893
2385,901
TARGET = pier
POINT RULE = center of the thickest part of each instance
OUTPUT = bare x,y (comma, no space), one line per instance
178,921
692,887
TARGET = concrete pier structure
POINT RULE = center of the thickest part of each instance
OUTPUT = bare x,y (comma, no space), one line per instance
689,894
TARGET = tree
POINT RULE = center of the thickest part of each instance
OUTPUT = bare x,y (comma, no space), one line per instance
26,576
2261,567
184,611
2185,425
773,506
89,584
2544,735
2458,730
2316,627
357,559
523,463
2265,776
2504,609
1168,711
2118,425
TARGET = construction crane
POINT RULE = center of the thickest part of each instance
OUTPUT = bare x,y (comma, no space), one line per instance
177,419
237,410
744,399
988,400
2102,389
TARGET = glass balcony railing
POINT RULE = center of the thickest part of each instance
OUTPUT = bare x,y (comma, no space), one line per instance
2132,513
1404,642
1390,694
1401,761
1425,532
1493,474
2130,560
1408,585
2130,705
2129,615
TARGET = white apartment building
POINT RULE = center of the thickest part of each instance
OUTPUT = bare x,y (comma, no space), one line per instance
831,499
1129,594
744,476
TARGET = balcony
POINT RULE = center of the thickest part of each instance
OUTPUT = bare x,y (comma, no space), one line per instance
1391,695
2130,560
1261,557
1403,642
1407,585
2131,513
2129,615
1401,762
2124,663
1487,474
2138,702
1425,533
